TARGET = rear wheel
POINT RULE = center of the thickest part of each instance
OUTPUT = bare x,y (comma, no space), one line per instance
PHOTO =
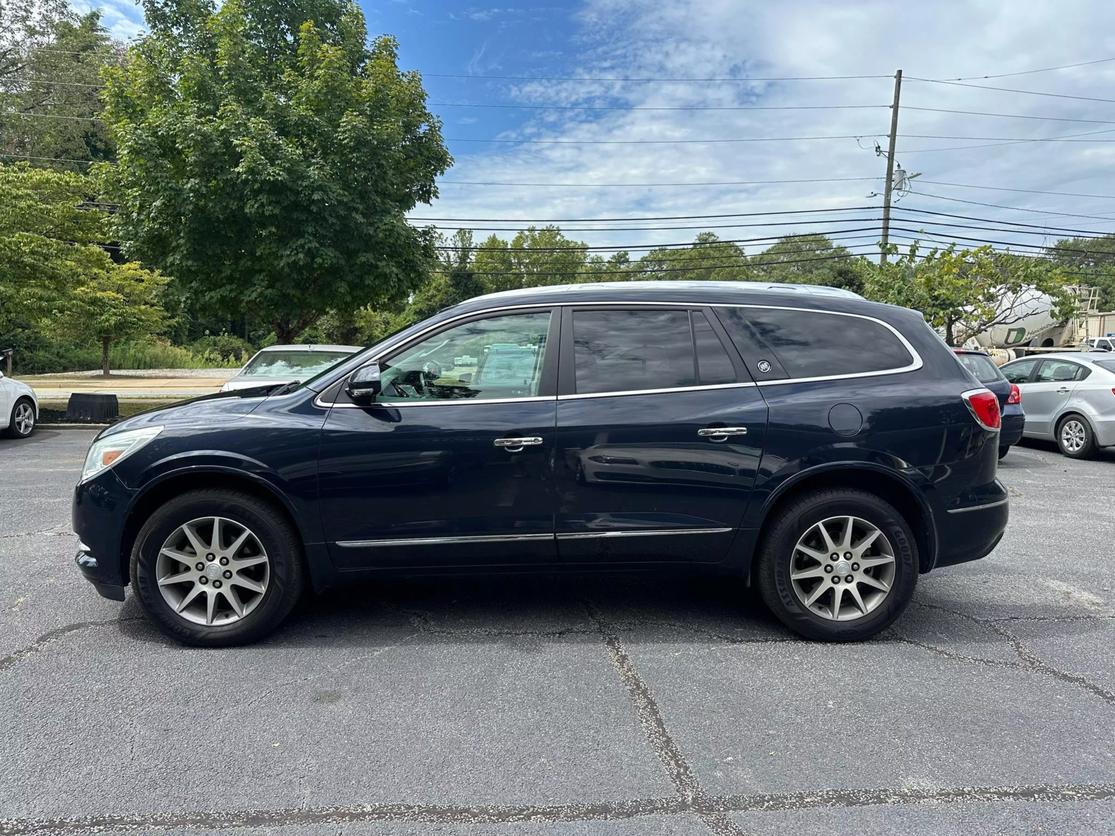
1075,438
21,423
216,568
838,565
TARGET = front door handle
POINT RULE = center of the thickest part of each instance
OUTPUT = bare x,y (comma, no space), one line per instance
721,433
514,445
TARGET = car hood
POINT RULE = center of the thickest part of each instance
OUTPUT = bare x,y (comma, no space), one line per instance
207,410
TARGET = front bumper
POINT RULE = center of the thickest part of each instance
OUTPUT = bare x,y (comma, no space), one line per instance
100,508
91,569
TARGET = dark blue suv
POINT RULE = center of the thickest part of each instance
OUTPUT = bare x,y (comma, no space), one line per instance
824,448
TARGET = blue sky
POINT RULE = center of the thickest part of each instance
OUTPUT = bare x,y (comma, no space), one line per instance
741,40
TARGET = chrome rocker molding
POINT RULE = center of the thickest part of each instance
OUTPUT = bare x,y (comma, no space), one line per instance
514,538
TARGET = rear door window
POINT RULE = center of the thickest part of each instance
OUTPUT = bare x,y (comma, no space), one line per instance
635,350
1060,371
814,344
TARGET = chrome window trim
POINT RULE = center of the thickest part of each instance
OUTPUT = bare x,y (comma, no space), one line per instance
916,364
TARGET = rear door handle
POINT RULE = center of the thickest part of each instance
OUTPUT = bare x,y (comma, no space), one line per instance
721,433
1063,391
514,445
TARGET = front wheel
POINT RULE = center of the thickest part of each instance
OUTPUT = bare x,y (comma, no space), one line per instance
1075,438
838,565
214,568
21,423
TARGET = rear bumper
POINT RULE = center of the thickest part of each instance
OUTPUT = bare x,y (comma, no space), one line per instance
1011,430
971,531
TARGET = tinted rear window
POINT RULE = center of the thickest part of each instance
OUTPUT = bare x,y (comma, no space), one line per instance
621,351
1107,365
815,344
981,366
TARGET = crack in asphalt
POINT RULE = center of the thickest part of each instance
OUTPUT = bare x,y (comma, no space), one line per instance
54,635
715,809
1028,659
662,743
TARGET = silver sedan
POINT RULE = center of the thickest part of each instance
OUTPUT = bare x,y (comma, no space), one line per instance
1069,398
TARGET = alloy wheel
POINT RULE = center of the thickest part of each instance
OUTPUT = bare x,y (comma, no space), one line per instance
1074,435
842,568
24,418
212,571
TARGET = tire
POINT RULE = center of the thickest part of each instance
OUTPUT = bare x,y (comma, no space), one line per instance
22,409
1003,451
1075,438
779,555
280,575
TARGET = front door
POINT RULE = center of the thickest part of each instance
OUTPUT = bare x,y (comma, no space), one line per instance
1052,386
452,464
659,436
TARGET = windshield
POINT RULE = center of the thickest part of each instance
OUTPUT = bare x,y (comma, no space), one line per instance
296,364
981,366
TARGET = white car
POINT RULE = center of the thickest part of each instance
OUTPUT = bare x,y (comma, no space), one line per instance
19,408
279,364
1098,344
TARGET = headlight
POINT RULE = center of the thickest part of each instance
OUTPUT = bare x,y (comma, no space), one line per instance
108,451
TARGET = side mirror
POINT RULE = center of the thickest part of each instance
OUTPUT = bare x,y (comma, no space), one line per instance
363,384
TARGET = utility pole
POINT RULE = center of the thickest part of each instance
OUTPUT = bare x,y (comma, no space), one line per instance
890,165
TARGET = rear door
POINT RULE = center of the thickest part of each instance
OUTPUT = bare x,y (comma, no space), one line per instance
1052,386
659,433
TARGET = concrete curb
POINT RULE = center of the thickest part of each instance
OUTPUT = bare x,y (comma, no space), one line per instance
48,425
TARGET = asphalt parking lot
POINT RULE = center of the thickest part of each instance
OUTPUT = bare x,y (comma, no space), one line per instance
618,705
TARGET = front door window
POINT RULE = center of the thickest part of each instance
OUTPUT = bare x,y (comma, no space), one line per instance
499,357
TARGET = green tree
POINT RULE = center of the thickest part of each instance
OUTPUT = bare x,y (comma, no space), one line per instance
809,259
708,259
120,301
533,258
966,292
50,64
1089,261
268,157
55,277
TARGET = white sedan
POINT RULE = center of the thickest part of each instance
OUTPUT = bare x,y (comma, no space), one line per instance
279,364
19,408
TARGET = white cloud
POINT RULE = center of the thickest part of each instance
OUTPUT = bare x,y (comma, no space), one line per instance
729,38
122,18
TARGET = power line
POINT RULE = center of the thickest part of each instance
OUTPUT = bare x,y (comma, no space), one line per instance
650,80
1010,90
1012,208
648,217
672,246
502,106
650,185
1031,72
1007,189
1011,115
1006,223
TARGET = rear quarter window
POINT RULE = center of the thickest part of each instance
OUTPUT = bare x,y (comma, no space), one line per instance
982,367
817,344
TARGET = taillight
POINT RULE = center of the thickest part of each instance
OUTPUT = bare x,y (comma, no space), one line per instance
1016,394
984,407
